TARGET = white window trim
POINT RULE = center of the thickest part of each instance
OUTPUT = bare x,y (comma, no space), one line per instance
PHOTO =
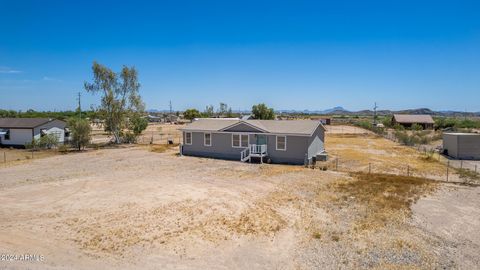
240,140
191,138
205,139
276,143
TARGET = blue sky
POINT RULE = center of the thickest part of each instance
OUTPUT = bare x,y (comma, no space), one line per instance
288,54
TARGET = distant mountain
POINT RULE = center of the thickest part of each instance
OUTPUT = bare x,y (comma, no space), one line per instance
339,110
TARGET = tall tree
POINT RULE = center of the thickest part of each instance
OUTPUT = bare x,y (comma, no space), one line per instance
223,109
209,111
261,111
191,114
120,97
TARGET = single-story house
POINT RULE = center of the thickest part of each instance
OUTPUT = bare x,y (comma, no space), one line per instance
277,141
17,132
324,120
462,145
407,120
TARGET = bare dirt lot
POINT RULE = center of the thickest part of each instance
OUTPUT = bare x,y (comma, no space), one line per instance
134,207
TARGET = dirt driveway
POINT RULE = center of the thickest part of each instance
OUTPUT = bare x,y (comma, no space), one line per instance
131,208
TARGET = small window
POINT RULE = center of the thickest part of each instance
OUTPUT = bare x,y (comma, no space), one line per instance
188,138
207,139
7,135
239,140
281,143
235,140
244,140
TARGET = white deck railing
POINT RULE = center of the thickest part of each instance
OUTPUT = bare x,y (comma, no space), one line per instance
258,148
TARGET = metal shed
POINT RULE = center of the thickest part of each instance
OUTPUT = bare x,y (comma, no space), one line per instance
462,145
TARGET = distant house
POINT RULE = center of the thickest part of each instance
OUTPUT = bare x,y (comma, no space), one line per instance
407,120
292,142
462,145
19,131
324,120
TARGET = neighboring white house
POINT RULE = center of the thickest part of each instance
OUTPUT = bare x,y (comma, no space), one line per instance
20,131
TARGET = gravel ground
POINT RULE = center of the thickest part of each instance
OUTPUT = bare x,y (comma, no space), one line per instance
131,208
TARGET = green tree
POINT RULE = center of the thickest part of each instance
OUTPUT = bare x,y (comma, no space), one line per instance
209,111
120,97
138,124
80,132
191,114
223,109
261,111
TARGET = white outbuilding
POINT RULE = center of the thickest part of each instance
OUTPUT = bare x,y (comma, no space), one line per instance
17,132
462,145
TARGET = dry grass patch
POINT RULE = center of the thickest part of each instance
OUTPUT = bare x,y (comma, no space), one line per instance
162,148
382,198
355,152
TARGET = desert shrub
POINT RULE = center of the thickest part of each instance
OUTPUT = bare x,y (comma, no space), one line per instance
367,125
416,127
128,137
63,148
48,141
398,127
406,139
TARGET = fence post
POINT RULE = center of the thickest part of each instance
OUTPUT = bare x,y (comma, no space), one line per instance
448,165
461,164
336,164
32,153
408,170
475,168
4,157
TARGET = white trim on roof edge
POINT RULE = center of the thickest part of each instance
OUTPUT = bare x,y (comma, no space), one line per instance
243,122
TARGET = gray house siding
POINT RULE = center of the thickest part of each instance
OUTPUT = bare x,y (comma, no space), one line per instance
221,146
295,152
18,137
316,142
297,147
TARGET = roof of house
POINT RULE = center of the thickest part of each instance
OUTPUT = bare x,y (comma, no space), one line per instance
294,127
413,118
23,122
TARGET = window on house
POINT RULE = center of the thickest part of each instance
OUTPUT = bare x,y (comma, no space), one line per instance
281,143
244,140
43,132
207,139
235,140
240,140
188,138
7,135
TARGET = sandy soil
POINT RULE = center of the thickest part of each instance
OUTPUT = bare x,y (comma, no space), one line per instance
131,208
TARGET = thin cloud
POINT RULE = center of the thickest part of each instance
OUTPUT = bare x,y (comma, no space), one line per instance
50,79
7,70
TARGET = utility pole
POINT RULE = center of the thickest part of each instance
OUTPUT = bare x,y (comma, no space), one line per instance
79,105
170,107
375,114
